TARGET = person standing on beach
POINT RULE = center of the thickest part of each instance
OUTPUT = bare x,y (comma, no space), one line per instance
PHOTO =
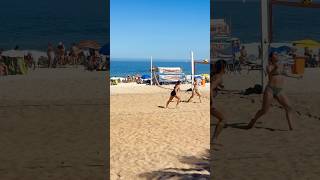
218,72
50,54
259,52
175,94
61,53
3,67
318,58
243,55
273,90
195,91
74,54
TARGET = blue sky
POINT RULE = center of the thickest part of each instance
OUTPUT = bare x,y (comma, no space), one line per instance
164,29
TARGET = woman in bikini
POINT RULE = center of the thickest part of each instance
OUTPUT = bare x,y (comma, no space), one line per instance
274,90
218,72
174,94
195,91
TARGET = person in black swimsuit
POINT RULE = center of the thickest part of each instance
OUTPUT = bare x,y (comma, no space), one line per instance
174,94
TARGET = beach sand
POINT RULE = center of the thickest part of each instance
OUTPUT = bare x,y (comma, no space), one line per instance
53,125
269,151
150,142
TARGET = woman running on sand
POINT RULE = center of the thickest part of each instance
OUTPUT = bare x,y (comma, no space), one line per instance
273,90
218,72
174,94
195,91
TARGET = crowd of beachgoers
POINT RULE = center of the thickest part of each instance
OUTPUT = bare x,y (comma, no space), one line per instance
128,79
250,55
56,56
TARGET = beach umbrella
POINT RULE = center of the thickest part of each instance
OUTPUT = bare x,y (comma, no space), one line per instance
205,75
145,76
105,50
307,43
88,44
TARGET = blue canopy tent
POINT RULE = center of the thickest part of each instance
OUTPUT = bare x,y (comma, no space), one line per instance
145,76
105,49
281,49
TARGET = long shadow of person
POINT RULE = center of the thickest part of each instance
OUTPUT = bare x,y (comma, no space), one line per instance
200,169
244,126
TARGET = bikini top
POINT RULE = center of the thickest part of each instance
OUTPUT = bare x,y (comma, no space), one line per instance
275,72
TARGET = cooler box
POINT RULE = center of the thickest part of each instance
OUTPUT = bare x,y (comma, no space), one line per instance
298,66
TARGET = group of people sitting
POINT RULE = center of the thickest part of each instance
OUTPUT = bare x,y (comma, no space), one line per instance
75,56
136,78
60,56
239,53
241,57
312,60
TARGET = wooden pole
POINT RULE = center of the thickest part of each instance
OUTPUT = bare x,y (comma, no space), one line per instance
151,71
265,39
192,69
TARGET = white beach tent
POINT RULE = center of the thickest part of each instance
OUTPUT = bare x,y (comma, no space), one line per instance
13,53
21,53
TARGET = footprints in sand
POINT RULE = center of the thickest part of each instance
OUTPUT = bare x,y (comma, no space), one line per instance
148,142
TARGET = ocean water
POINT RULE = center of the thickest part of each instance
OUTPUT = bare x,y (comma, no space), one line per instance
124,67
289,23
32,24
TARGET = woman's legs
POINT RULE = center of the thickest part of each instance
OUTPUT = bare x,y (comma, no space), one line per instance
219,125
199,95
192,95
283,100
170,99
178,98
267,98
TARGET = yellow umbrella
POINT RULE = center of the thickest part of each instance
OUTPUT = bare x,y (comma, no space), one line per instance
307,43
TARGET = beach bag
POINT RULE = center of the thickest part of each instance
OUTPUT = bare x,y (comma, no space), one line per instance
257,89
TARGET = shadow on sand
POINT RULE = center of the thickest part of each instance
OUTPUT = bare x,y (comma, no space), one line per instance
200,169
244,126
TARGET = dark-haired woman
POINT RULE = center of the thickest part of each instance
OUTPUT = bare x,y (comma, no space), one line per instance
219,70
273,90
175,94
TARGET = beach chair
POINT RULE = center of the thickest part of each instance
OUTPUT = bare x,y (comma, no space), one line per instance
253,67
252,64
233,65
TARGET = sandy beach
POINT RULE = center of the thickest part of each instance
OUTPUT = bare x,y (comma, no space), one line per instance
150,142
269,151
53,125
